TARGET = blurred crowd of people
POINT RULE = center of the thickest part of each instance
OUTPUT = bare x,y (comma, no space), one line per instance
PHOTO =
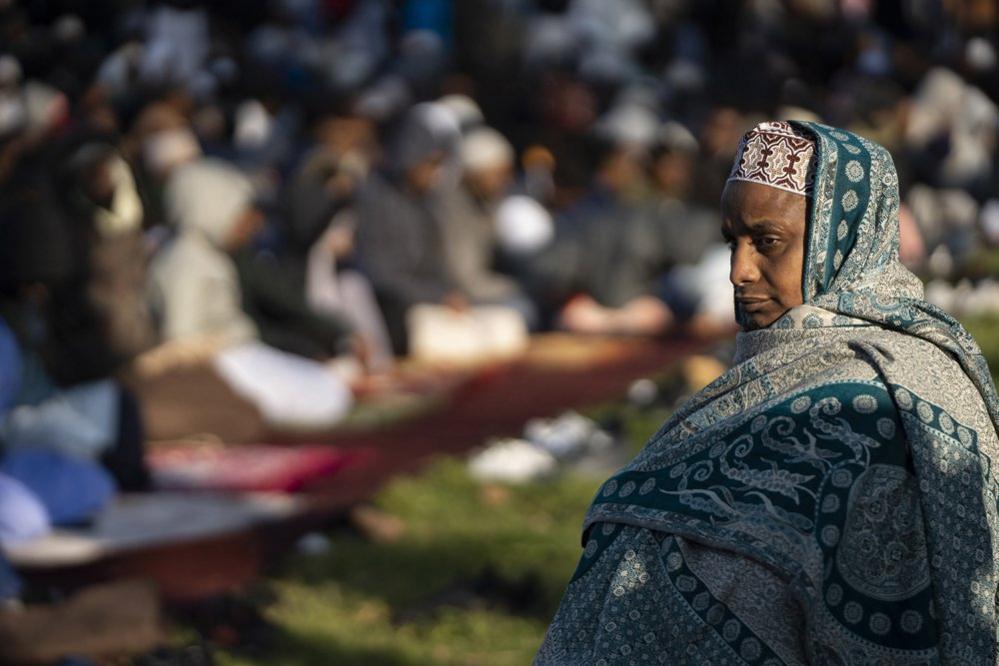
300,191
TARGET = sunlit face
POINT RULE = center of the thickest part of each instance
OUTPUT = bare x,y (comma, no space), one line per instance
765,227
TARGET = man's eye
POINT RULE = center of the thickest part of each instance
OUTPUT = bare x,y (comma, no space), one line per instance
766,243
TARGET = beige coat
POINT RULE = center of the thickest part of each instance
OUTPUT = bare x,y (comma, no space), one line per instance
195,287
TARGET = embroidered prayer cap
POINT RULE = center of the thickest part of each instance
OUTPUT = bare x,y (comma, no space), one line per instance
776,154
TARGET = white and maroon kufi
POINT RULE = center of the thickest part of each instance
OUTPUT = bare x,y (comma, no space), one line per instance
776,154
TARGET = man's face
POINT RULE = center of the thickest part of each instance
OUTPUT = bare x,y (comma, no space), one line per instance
492,183
674,174
621,169
424,176
765,227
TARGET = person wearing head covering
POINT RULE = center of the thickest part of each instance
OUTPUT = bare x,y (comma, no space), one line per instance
195,282
196,286
273,290
832,498
59,354
602,271
695,282
97,194
467,214
320,216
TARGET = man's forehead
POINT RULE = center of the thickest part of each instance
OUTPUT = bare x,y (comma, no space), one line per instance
754,204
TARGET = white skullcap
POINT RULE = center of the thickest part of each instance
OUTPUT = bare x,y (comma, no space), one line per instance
44,105
464,109
384,98
69,27
629,123
485,148
253,126
523,226
674,136
980,54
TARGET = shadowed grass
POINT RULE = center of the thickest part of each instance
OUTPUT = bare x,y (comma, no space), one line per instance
474,579
421,599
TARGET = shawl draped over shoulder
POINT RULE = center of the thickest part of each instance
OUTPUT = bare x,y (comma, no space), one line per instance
832,498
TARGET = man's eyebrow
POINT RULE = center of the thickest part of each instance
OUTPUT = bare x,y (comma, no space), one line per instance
765,225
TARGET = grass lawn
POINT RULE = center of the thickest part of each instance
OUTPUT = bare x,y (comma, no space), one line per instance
474,579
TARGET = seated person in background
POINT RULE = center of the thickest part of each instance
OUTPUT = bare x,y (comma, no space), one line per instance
690,227
399,241
320,222
607,258
272,287
97,194
159,141
198,295
831,498
695,282
196,291
212,205
467,214
58,361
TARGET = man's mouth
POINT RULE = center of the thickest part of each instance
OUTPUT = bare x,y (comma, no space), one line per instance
752,303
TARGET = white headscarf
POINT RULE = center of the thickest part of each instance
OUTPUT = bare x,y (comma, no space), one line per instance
207,197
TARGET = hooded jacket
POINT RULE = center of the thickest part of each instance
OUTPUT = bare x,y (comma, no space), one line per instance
194,280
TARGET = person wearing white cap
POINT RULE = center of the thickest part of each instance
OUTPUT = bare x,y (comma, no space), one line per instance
468,217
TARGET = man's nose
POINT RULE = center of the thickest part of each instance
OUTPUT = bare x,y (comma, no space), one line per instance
743,268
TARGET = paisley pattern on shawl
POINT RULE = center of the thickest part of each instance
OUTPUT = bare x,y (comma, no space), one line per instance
832,498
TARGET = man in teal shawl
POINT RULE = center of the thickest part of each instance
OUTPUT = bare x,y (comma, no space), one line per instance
831,499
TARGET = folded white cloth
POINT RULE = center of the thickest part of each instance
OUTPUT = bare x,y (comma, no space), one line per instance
291,392
439,333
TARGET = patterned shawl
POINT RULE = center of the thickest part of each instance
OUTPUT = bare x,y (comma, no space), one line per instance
831,498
